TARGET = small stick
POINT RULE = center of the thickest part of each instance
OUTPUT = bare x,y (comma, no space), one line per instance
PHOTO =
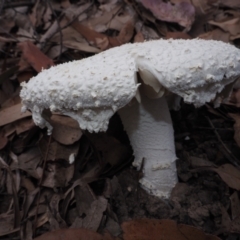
231,158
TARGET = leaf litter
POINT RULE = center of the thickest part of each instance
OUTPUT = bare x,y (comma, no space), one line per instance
76,185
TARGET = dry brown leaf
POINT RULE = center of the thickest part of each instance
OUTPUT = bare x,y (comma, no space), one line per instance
55,175
3,140
113,19
65,129
216,34
57,151
55,219
13,100
229,174
84,198
7,40
235,97
23,125
182,13
230,3
3,97
103,41
73,234
200,162
27,184
28,162
11,114
34,56
8,130
94,215
55,51
24,76
177,35
65,3
228,224
23,65
139,37
232,26
91,35
80,46
236,127
112,150
6,224
13,181
32,15
203,6
7,86
152,229
235,225
125,34
235,205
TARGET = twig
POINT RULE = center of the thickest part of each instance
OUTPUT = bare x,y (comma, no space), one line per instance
17,216
231,158
39,184
59,28
18,4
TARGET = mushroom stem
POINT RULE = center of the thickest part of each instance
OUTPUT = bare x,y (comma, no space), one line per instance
149,128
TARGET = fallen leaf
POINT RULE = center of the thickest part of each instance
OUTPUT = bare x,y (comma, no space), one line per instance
65,129
229,174
55,219
236,127
16,209
177,35
56,51
203,7
112,151
228,224
152,229
11,114
112,19
6,224
55,175
32,54
216,34
235,97
7,74
199,162
29,162
235,205
101,40
182,13
91,35
23,125
232,26
139,37
24,76
73,234
3,97
57,151
32,15
147,32
230,3
126,33
3,141
19,144
93,215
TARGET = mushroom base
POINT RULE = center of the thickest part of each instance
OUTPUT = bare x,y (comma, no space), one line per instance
149,128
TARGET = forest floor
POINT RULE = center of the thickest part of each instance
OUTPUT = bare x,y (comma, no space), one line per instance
99,196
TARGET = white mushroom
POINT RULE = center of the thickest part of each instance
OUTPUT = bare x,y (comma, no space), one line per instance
93,89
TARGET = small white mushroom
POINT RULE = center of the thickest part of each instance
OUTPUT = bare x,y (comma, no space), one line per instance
96,87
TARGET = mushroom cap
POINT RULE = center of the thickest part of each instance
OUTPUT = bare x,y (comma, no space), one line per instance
93,89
